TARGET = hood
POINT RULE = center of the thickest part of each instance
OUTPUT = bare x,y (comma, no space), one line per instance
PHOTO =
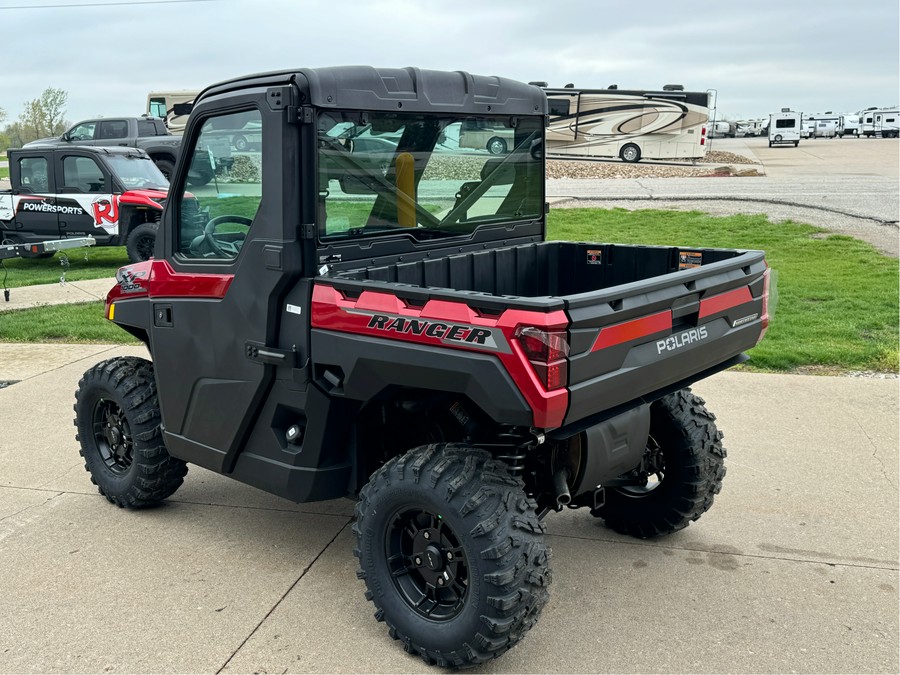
51,140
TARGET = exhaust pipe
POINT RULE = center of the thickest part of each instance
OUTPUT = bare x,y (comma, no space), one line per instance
561,488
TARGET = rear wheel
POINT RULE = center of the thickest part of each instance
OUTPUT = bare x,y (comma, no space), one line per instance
452,554
681,473
796,143
166,168
118,421
778,138
630,153
496,146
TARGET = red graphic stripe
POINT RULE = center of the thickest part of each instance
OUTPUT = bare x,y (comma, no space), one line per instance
633,330
722,301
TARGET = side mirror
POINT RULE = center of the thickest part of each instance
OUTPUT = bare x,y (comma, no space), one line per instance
66,136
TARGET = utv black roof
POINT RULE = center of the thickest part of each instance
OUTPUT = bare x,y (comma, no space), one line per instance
398,90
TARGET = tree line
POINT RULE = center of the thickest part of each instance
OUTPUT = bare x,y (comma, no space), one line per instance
41,117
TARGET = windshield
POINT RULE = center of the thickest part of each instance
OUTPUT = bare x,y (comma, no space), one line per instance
137,172
426,175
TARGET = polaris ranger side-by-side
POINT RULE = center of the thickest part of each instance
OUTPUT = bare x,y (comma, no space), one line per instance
114,195
386,319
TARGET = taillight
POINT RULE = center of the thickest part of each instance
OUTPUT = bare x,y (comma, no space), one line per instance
547,352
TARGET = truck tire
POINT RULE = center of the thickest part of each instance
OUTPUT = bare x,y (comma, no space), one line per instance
118,421
686,467
630,153
166,167
496,146
778,138
452,554
141,242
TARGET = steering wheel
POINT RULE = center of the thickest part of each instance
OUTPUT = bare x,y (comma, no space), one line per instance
223,249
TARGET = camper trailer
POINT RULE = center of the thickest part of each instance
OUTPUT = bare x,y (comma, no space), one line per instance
848,125
885,122
784,127
629,124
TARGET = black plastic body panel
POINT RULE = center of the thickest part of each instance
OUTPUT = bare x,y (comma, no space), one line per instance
369,366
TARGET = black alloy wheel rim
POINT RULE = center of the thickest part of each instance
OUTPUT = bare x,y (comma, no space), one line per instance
145,246
427,564
112,436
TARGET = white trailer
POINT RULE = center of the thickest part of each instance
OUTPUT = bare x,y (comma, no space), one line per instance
784,127
886,122
848,125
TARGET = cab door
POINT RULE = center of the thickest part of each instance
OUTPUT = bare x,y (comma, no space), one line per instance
86,202
231,255
36,216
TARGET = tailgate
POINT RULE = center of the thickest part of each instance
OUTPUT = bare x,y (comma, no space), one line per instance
635,339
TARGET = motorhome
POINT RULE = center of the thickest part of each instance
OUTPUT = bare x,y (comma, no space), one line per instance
629,124
161,104
784,127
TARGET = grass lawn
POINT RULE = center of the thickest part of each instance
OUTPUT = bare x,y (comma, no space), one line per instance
837,297
4,172
103,261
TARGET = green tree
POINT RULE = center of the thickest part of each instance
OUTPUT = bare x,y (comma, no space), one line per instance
43,116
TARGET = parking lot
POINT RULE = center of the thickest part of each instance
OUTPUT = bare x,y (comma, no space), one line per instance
795,568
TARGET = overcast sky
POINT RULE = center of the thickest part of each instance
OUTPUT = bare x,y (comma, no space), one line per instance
810,55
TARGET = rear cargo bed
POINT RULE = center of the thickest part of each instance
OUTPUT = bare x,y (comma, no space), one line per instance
640,318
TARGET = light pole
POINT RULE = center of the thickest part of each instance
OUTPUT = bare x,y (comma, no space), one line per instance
715,94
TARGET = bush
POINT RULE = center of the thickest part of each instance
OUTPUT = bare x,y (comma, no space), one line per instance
246,169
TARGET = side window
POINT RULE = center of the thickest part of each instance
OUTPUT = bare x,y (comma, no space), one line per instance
113,129
34,173
559,106
146,128
223,190
83,132
83,174
158,107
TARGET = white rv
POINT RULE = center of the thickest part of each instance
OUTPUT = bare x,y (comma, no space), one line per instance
848,125
886,122
161,104
784,127
629,124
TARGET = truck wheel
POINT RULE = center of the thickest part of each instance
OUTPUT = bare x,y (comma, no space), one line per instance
141,242
683,468
118,422
166,168
240,143
630,153
452,554
496,146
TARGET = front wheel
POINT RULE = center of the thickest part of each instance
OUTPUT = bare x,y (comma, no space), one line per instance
141,242
118,421
680,474
452,554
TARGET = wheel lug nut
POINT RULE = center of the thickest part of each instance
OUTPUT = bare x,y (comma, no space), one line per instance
427,535
418,560
440,581
449,555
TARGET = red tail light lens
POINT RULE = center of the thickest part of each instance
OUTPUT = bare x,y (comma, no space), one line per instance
547,352
767,280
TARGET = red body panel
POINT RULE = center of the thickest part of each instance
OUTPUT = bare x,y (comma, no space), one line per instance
332,310
157,279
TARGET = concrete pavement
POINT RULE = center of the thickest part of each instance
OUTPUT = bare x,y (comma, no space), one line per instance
793,570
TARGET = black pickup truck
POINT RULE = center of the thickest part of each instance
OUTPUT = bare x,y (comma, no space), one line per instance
114,195
146,133
387,321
